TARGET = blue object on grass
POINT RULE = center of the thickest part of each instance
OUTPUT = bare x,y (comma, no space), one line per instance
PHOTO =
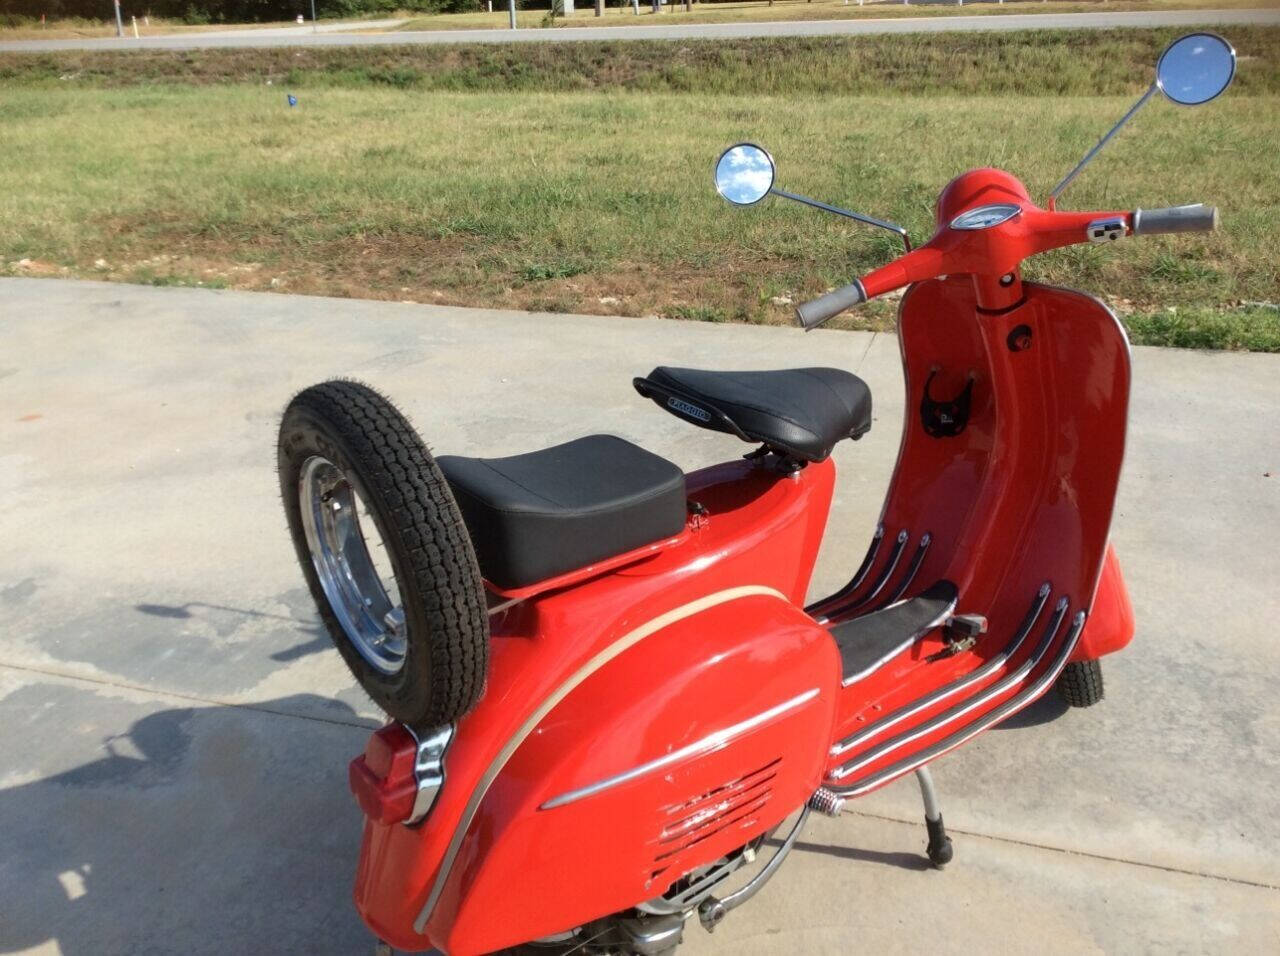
293,100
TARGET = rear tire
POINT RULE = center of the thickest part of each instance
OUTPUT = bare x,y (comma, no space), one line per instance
417,644
1080,683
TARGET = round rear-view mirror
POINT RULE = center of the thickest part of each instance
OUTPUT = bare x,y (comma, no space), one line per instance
1195,68
744,174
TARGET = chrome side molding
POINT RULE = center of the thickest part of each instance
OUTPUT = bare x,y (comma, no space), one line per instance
712,742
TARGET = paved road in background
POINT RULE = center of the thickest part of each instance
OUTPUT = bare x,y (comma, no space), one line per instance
674,31
341,26
175,727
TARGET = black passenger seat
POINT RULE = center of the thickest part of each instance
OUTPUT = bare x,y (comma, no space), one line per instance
535,516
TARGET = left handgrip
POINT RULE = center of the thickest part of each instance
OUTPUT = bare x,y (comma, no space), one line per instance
1194,218
812,314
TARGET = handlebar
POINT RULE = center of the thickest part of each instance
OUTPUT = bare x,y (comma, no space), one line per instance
1194,218
999,249
812,314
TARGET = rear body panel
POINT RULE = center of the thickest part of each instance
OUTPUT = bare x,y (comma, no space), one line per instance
730,588
702,739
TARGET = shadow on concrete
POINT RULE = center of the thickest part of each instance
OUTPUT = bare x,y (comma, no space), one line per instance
320,642
906,861
1045,710
200,829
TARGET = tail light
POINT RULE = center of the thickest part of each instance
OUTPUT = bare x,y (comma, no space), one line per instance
382,777
397,777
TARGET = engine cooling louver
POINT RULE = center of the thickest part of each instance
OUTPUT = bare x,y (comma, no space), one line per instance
733,803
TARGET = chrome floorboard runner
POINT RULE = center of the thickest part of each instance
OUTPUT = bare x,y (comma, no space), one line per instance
853,778
882,591
892,720
868,642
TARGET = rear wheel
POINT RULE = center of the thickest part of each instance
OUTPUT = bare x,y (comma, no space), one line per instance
385,552
1080,683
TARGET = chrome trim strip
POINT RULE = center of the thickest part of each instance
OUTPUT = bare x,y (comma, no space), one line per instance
628,640
858,576
963,707
906,642
917,559
1008,708
894,557
502,606
711,742
924,703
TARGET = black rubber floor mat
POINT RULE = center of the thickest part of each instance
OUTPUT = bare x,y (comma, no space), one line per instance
867,642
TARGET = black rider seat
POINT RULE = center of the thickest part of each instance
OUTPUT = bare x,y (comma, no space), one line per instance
800,413
532,517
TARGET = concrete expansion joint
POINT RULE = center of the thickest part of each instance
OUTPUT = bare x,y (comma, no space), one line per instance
1067,851
159,694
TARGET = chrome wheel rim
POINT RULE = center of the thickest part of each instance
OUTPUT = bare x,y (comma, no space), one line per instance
352,563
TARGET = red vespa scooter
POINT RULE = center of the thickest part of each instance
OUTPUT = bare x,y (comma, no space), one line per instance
606,691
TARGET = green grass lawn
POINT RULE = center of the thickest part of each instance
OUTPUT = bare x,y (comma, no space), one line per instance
470,184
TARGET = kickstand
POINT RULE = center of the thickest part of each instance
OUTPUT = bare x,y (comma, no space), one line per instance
939,849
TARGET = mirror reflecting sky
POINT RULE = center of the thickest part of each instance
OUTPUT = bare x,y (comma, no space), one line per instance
1196,68
744,174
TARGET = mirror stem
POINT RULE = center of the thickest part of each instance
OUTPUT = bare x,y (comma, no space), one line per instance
892,227
1088,157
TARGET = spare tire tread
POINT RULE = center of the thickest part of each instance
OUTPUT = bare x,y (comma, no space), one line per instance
428,542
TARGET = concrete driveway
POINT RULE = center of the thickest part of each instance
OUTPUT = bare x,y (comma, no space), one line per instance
174,729
304,36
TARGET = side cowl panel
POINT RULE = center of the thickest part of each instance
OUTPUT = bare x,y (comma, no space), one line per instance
759,534
683,748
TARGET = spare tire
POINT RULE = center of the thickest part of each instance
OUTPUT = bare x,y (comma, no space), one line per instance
385,553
